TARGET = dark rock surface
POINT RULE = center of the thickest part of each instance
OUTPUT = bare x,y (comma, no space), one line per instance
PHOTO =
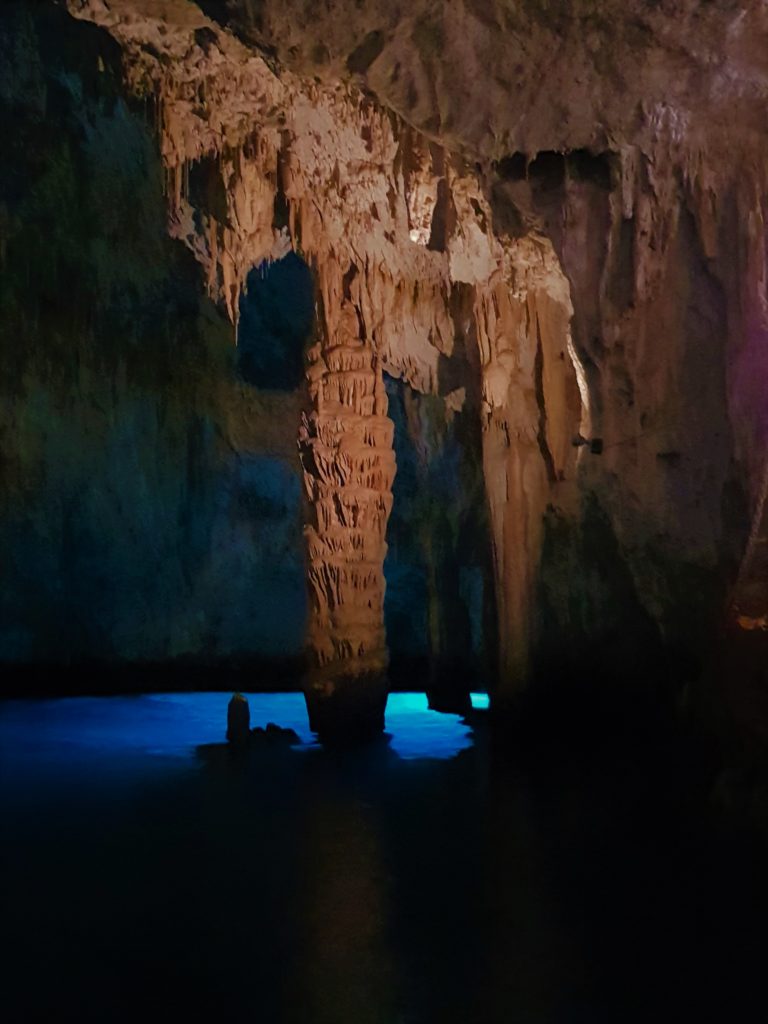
149,499
238,720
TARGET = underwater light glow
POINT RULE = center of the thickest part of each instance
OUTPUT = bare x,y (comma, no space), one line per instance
116,736
417,732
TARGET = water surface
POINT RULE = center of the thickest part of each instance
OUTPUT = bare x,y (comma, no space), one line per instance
148,874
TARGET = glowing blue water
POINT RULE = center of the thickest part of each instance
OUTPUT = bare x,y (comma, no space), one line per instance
110,734
480,701
387,883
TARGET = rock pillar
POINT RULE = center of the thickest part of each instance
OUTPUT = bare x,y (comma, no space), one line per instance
349,465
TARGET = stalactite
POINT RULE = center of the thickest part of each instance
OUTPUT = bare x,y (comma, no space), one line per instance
524,311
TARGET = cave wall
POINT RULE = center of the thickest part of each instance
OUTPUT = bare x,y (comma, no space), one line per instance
150,497
663,496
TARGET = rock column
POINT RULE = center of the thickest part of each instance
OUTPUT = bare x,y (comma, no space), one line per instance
349,465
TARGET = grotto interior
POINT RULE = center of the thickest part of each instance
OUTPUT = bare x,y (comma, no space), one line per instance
396,354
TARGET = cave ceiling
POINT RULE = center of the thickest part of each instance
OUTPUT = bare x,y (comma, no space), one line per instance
497,76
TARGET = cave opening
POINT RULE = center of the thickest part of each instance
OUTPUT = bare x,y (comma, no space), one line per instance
277,316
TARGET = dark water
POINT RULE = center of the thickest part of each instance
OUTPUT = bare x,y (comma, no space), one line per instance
436,877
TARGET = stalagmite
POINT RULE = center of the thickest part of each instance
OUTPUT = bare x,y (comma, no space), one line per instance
349,466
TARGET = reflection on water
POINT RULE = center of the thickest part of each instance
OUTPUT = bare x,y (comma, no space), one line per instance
431,879
344,968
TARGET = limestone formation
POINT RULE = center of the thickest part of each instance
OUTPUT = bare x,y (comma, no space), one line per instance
593,176
349,466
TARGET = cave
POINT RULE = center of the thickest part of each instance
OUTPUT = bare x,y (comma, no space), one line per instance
383,510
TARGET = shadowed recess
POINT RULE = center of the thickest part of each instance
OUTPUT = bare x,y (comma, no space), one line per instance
277,312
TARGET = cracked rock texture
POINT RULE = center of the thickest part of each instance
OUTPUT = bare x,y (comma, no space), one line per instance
546,215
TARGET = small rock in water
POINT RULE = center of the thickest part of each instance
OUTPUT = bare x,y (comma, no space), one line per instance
238,719
276,733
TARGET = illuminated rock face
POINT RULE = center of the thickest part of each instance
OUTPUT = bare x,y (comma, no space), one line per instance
532,411
349,466
595,235
393,228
